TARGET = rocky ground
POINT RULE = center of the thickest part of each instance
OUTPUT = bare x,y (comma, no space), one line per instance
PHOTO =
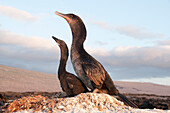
58,102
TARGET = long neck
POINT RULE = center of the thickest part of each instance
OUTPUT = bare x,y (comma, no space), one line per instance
63,61
79,35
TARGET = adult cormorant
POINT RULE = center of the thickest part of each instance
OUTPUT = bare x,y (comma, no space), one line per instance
90,71
71,84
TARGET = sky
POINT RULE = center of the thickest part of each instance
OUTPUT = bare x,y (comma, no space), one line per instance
130,38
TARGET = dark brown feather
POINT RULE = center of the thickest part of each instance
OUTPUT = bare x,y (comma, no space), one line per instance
70,83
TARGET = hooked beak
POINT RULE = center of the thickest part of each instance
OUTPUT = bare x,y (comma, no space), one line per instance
63,15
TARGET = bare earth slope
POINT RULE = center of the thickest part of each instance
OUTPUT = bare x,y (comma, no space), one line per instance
20,80
142,88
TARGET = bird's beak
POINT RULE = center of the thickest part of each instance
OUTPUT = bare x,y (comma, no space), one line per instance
56,39
63,15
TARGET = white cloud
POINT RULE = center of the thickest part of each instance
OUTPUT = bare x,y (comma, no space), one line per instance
28,52
164,42
137,32
102,24
16,14
134,56
101,43
135,62
131,31
16,46
154,56
33,42
121,62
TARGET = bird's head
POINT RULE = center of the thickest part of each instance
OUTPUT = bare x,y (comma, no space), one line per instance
77,27
70,18
60,43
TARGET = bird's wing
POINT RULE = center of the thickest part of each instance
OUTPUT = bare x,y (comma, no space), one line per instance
73,82
94,73
70,82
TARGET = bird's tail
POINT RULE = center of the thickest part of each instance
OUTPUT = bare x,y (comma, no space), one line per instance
112,90
127,101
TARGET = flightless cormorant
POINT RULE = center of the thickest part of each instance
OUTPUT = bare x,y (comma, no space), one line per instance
89,70
71,84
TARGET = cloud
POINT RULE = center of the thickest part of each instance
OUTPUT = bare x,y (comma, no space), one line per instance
122,62
102,24
16,14
154,56
29,52
41,59
33,42
126,62
164,42
137,32
101,43
131,31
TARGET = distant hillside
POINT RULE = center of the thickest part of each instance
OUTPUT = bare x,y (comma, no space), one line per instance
20,80
142,88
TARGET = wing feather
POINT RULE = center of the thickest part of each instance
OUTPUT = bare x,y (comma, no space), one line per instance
94,73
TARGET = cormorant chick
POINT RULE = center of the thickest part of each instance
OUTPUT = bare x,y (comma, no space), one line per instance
71,84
